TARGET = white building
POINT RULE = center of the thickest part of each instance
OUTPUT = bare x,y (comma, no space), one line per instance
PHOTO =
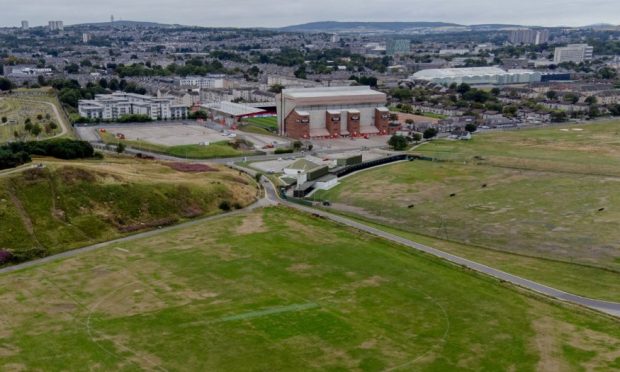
116,105
86,37
576,53
529,36
477,76
204,82
56,26
25,25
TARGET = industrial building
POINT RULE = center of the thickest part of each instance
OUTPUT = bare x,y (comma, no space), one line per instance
477,76
116,105
576,53
332,112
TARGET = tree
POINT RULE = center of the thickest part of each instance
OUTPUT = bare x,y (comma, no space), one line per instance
4,119
571,98
495,92
463,88
591,100
471,127
297,145
120,148
72,68
552,95
36,130
398,142
607,73
417,137
276,88
402,94
430,133
5,84
300,73
558,116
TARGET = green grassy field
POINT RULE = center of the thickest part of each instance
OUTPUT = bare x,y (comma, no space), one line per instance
276,290
17,111
264,125
517,197
72,204
214,150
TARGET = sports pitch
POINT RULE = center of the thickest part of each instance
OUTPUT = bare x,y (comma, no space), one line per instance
278,290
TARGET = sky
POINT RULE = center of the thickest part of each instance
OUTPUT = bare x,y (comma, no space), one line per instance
277,13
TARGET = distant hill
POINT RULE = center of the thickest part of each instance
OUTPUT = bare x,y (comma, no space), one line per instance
123,24
332,26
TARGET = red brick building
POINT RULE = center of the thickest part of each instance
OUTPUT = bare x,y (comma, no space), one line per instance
332,112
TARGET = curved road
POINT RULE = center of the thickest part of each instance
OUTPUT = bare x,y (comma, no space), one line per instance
611,308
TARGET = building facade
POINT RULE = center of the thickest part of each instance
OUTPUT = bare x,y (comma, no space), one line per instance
204,82
116,105
529,36
56,26
398,47
332,112
576,53
25,25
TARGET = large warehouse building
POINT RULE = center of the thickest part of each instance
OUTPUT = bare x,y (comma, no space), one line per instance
332,112
477,76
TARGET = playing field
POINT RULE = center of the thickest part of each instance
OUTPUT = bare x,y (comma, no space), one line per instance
261,125
277,290
549,193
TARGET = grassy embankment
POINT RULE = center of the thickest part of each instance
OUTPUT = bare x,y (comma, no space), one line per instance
69,204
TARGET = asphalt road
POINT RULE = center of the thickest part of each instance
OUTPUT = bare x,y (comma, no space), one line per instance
611,308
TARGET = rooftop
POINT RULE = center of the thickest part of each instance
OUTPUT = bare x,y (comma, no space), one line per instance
326,92
464,72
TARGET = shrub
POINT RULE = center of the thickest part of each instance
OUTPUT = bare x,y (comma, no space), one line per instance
5,256
283,151
225,206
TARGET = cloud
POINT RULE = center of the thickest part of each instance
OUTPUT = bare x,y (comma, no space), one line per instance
271,13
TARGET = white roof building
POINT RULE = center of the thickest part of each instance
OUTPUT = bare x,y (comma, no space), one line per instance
477,76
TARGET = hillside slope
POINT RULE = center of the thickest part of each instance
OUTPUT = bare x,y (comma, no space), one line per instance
66,205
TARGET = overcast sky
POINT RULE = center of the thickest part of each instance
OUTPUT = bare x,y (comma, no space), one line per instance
271,13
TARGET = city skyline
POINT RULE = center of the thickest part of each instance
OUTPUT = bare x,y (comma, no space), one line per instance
278,13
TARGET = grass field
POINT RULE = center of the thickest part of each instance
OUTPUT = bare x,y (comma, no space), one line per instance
72,204
261,125
531,193
276,290
17,110
214,150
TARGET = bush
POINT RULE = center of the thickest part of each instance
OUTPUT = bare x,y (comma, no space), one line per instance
5,256
225,206
398,143
283,151
430,133
471,128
